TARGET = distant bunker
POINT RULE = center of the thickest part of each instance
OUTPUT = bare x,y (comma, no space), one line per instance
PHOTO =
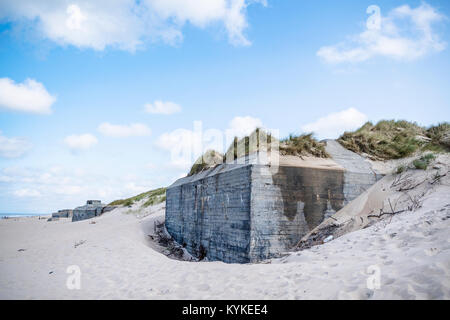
65,213
247,212
93,208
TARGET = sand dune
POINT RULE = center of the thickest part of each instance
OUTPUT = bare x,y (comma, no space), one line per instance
118,261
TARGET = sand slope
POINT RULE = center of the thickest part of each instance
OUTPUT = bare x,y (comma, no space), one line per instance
117,261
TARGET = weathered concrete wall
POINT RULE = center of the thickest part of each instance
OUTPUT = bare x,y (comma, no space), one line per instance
85,213
289,203
359,175
65,213
246,214
210,215
109,208
90,210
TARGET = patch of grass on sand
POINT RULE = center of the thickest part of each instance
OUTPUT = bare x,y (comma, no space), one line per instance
436,133
155,200
258,139
154,197
400,169
301,145
423,162
390,139
209,159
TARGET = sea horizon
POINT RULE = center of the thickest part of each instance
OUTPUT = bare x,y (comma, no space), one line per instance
22,215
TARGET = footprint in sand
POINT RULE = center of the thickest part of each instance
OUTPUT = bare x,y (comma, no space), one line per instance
203,287
333,265
387,281
432,251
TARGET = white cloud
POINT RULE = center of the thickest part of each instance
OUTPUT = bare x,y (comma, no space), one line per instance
334,124
243,126
149,165
68,190
13,147
29,96
126,24
161,107
404,34
27,193
135,189
120,131
81,142
6,179
75,17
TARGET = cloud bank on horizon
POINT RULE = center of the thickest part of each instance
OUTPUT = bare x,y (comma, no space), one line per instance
13,147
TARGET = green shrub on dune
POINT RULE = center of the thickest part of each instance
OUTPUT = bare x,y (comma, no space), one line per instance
258,137
209,159
154,197
390,139
303,145
423,162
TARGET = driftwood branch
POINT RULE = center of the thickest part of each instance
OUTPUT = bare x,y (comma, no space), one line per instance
438,177
382,213
410,186
403,182
390,204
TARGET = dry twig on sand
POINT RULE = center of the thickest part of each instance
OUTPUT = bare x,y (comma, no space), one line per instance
383,213
438,177
79,243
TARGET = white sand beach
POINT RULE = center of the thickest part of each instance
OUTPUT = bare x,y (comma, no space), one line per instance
410,252
224,150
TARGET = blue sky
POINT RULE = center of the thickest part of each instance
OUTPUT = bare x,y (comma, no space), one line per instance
80,127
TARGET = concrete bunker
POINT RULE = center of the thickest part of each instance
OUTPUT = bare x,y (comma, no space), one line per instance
64,213
93,208
240,213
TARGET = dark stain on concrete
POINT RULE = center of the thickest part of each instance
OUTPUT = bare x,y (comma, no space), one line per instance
314,187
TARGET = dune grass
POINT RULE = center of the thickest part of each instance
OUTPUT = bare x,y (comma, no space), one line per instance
209,159
423,162
303,145
436,134
258,136
154,197
300,145
390,139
